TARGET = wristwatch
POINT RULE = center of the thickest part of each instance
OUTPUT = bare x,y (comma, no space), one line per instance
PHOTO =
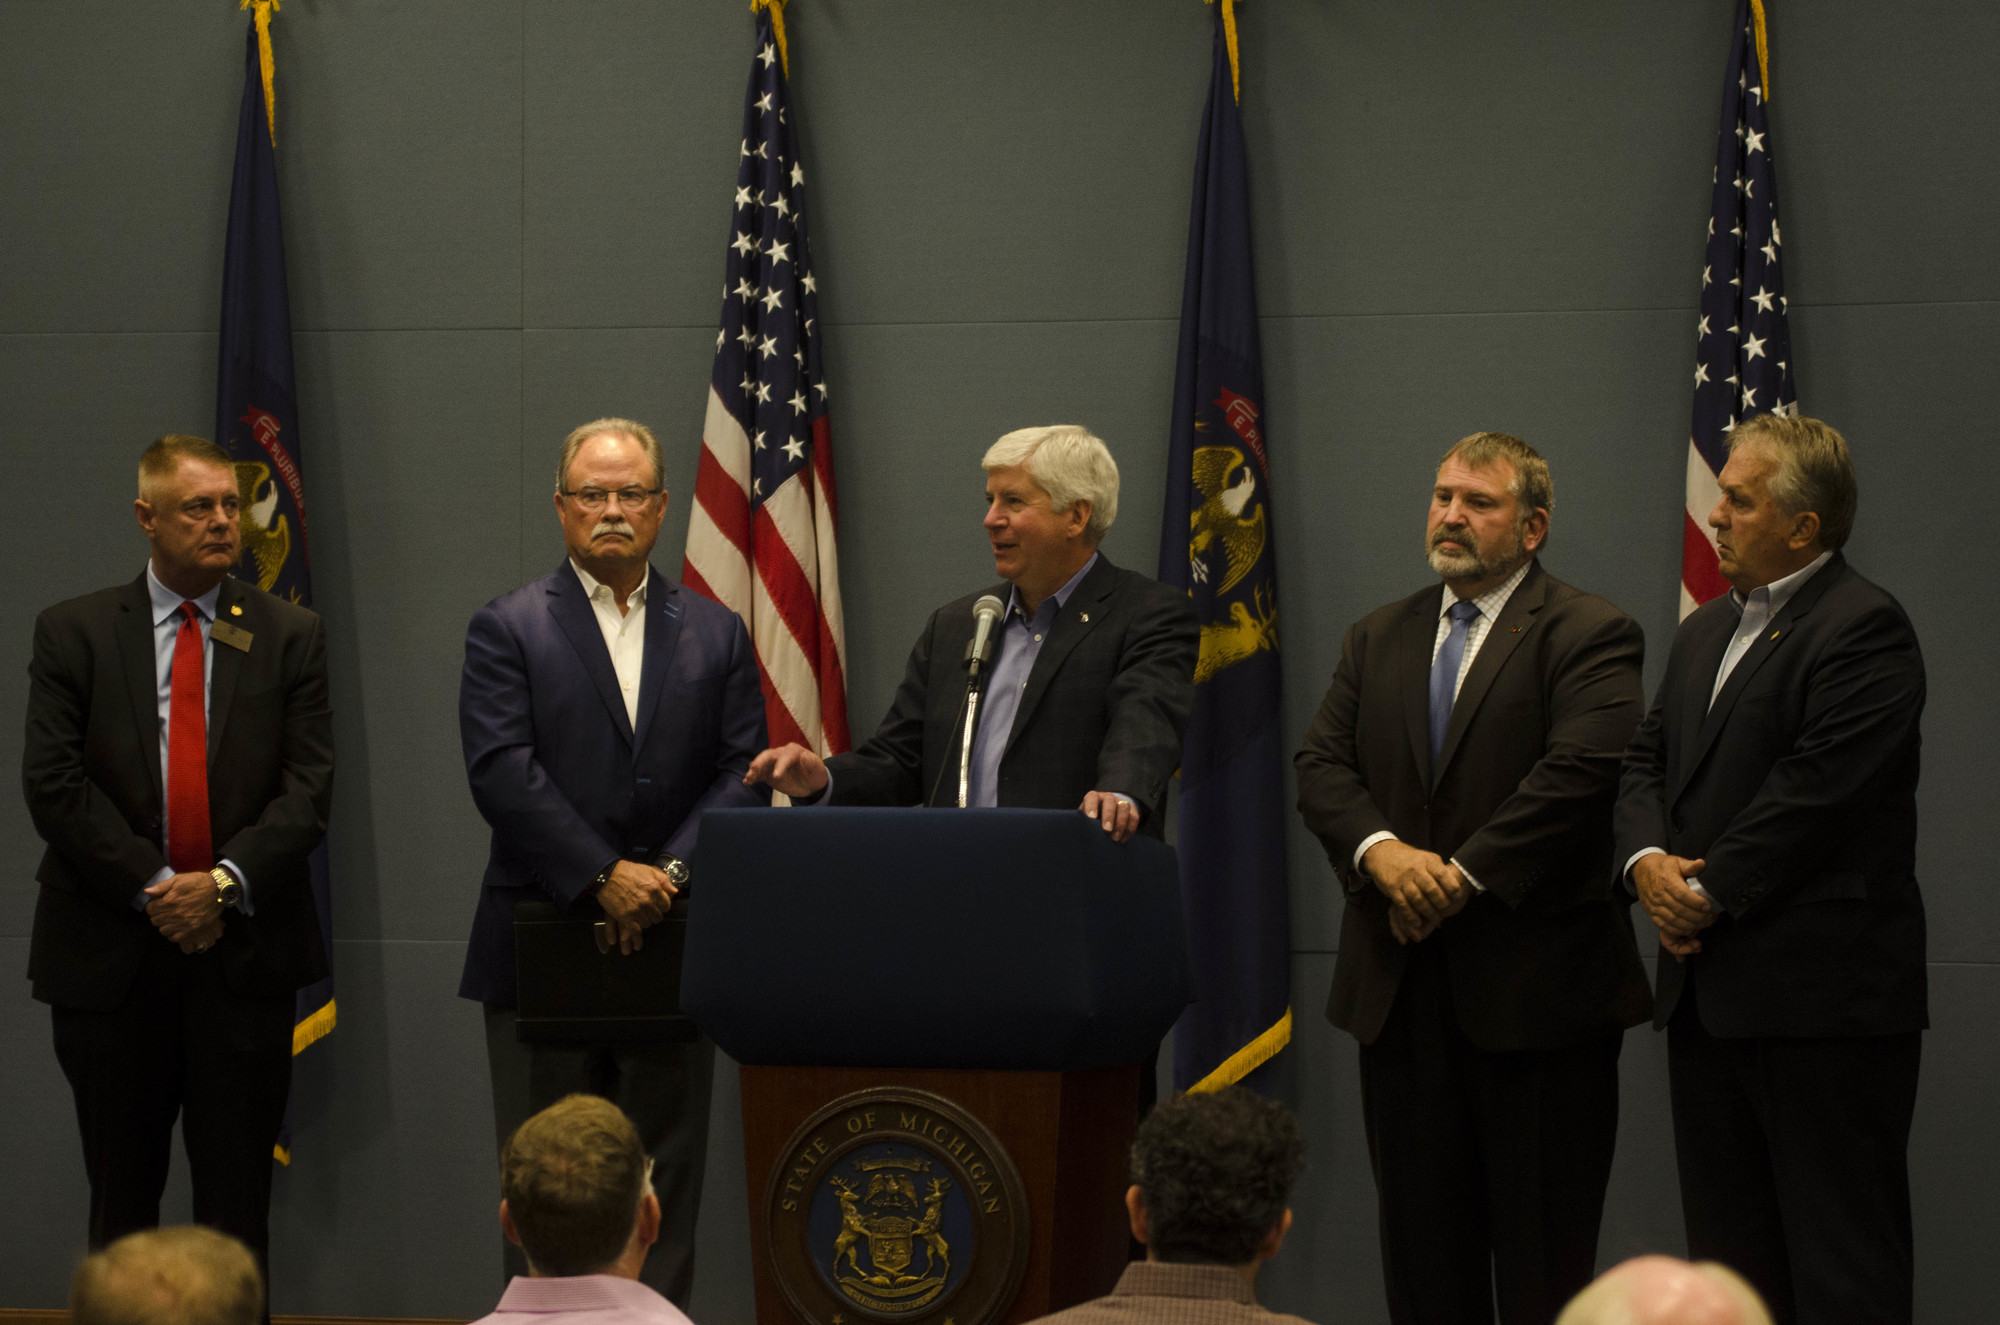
675,869
228,891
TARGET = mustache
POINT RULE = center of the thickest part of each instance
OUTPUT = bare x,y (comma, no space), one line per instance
603,527
1452,533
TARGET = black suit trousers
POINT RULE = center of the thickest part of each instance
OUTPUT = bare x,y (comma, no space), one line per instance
1490,1168
1794,1170
181,1045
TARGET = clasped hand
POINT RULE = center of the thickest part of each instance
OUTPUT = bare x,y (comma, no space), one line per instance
1679,911
1424,889
185,911
635,897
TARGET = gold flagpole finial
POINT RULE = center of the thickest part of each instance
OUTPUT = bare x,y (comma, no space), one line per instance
263,10
1229,36
777,8
1763,48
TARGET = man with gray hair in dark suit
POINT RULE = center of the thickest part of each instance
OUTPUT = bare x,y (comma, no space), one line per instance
1088,697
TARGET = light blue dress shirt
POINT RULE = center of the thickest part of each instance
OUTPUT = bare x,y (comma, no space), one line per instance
1021,639
166,630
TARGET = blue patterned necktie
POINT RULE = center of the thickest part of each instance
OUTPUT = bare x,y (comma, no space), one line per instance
1444,675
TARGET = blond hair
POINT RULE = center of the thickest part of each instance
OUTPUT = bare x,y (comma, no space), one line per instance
168,1276
573,1176
160,461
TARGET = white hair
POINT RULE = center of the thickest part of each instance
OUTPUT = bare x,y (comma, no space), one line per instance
1070,463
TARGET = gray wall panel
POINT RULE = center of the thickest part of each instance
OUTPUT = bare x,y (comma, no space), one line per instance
1874,109
619,233
121,227
399,136
507,218
404,552
395,1148
1014,163
38,1136
1954,1159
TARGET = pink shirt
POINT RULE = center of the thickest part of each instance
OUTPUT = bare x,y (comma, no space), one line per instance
600,1299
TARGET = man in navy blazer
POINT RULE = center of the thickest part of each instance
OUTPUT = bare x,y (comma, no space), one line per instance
602,710
1767,821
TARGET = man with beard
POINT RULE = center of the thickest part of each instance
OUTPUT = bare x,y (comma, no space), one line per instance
1461,773
602,709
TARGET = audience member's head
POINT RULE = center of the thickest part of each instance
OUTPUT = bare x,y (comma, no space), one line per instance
1660,1290
576,1191
169,1276
1211,1175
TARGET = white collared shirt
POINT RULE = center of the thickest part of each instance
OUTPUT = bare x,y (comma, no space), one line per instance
624,634
1757,610
1476,631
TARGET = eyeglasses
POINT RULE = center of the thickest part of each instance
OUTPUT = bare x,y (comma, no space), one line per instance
593,499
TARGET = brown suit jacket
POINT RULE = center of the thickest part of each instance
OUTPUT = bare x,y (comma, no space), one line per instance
1162,1293
1545,958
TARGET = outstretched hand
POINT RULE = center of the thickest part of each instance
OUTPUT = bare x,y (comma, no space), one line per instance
792,769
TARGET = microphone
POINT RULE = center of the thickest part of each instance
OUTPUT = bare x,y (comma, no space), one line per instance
986,612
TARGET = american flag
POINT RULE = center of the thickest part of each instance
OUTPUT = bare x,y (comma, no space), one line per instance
761,535
1743,347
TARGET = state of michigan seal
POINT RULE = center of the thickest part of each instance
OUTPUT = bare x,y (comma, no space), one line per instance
894,1204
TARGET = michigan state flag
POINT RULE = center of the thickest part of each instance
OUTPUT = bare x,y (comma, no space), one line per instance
257,422
1215,542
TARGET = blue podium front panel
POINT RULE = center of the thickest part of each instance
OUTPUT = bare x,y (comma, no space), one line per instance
1022,939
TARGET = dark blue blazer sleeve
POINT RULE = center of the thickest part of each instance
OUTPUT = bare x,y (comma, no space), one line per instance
531,818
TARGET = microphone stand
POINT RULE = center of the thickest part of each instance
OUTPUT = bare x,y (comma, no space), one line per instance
974,685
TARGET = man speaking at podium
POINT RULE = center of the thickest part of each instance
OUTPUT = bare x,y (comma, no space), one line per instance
1085,697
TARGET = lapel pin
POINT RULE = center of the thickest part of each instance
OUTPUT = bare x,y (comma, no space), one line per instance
1776,633
1513,630
236,611
1083,616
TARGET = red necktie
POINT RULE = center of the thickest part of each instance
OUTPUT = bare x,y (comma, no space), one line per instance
188,848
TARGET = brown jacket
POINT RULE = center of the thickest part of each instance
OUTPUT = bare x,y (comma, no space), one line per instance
1545,958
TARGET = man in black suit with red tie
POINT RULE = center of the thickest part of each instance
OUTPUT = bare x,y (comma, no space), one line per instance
1767,822
1461,772
179,764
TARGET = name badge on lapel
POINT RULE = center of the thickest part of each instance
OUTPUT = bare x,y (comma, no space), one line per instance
234,636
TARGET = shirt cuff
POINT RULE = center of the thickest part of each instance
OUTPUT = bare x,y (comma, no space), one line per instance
1370,841
1477,886
1639,855
140,899
1694,885
243,899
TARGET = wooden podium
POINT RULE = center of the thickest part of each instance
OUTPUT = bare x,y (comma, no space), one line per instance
939,1044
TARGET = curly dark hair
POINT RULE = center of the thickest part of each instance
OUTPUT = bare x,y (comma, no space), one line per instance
1214,1173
